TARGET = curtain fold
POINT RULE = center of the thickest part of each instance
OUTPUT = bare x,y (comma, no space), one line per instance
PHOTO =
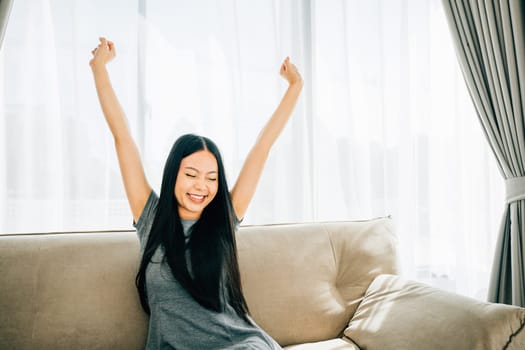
490,45
5,9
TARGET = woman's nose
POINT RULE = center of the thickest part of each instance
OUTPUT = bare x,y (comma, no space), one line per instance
200,183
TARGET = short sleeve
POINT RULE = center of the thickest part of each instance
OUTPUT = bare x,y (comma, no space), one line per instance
143,225
236,222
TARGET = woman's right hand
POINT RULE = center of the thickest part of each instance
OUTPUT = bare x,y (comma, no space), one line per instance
131,169
103,53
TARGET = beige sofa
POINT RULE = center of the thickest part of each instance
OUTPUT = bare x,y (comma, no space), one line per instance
310,286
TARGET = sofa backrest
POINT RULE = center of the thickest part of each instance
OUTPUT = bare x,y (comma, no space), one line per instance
70,291
302,282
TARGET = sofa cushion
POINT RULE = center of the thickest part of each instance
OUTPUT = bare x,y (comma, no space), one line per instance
70,291
400,314
303,282
333,344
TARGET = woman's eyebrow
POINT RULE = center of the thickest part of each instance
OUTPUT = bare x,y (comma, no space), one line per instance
197,170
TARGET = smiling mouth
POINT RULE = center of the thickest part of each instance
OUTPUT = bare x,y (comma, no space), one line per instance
197,198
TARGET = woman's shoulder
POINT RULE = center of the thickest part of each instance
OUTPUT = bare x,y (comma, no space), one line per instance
143,225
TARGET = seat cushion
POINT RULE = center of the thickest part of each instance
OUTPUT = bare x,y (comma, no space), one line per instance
333,344
400,314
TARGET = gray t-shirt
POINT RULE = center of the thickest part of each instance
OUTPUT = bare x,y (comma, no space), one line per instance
179,322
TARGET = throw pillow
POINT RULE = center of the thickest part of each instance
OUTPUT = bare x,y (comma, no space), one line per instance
399,314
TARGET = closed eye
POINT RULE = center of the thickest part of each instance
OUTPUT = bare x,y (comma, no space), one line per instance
190,175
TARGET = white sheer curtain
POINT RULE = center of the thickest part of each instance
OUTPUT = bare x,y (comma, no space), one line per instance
399,135
384,126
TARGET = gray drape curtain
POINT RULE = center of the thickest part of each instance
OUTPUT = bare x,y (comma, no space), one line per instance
490,45
5,9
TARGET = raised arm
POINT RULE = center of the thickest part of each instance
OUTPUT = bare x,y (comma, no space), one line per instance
131,169
244,188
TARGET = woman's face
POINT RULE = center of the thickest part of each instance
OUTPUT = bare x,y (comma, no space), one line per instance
197,184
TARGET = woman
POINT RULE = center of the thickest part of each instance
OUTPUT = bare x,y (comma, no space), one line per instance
188,279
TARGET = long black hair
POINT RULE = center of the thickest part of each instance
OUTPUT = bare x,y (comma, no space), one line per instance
214,279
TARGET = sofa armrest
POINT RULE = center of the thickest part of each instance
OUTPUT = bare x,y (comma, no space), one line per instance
400,314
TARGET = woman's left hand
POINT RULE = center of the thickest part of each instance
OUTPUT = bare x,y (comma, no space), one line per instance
289,72
103,53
